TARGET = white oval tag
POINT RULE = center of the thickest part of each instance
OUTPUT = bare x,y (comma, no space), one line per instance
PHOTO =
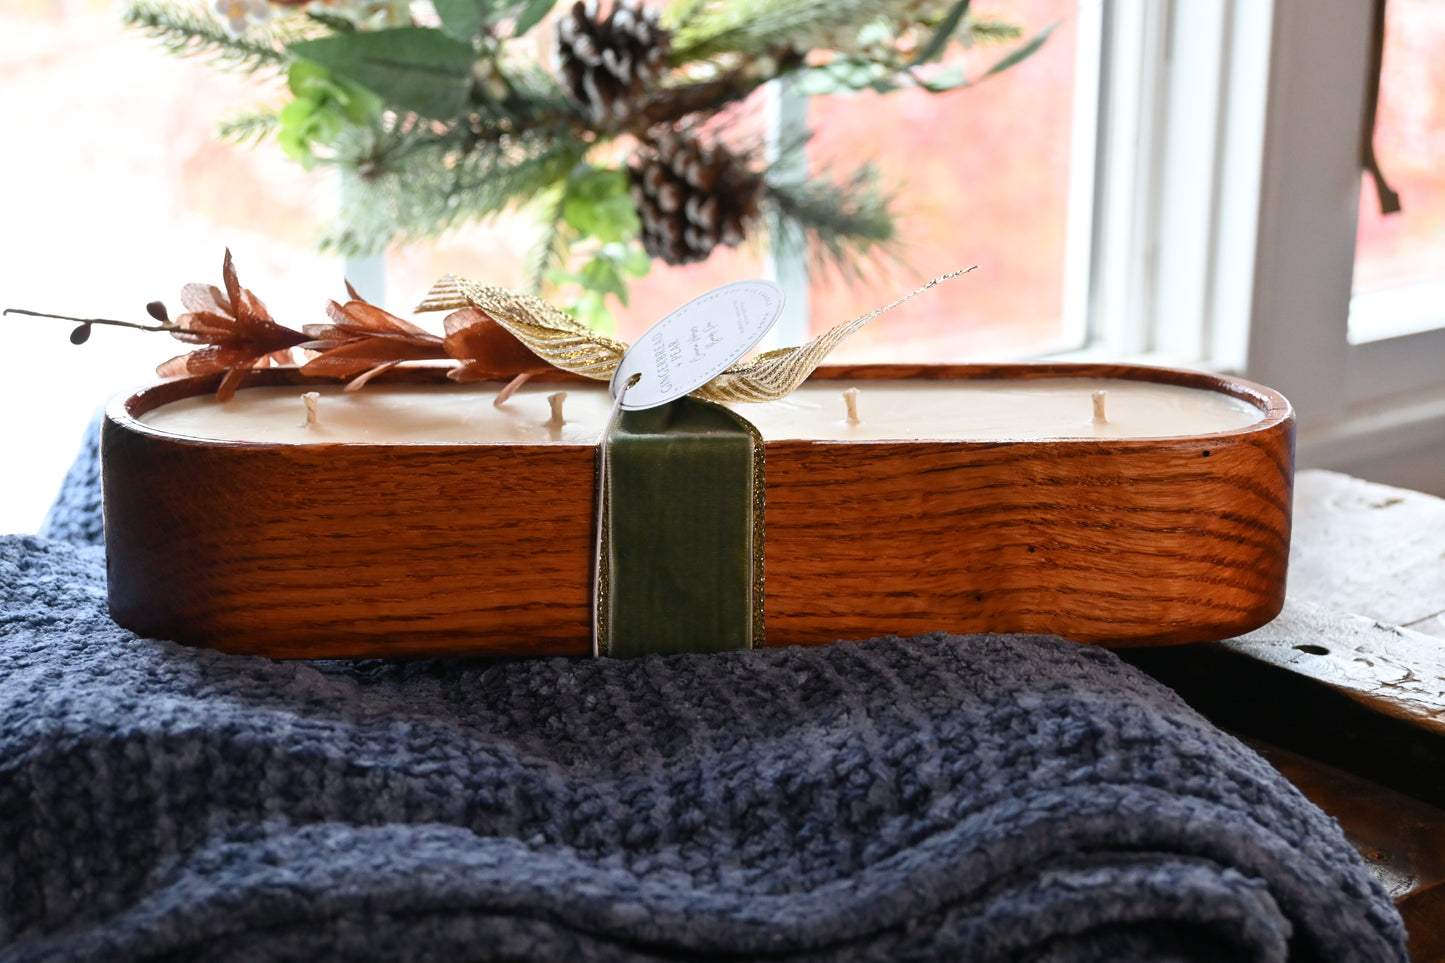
697,342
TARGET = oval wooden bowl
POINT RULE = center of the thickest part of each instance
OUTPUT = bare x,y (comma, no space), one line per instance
331,551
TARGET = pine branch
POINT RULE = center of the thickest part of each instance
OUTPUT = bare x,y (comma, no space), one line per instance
680,14
533,99
752,27
439,187
249,126
987,30
846,222
671,105
186,32
550,251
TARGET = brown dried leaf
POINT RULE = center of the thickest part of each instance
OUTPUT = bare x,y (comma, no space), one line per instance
174,367
204,299
363,337
487,350
356,319
359,382
235,332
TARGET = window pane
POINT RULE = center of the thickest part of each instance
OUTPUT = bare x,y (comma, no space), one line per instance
1008,139
1407,247
113,192
984,174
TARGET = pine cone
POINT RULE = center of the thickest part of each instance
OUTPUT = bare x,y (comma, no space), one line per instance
609,64
691,198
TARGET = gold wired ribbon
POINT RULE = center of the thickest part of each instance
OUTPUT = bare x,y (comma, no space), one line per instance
560,340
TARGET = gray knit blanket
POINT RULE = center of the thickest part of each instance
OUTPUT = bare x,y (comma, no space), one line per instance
943,797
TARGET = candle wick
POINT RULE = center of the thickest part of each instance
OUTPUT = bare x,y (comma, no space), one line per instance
850,399
313,402
1099,398
555,400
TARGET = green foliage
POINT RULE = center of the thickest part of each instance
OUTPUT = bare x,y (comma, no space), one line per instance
598,203
757,27
185,31
1020,54
609,272
433,126
554,244
469,19
409,187
596,225
249,126
942,34
331,21
411,68
323,107
850,74
462,19
530,14
842,222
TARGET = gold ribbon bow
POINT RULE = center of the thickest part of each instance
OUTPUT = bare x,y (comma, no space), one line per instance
561,340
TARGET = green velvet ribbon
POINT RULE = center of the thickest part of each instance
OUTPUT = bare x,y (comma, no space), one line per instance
681,564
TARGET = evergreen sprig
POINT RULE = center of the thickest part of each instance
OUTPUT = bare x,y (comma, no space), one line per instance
415,187
550,251
758,27
248,126
843,222
186,32
453,119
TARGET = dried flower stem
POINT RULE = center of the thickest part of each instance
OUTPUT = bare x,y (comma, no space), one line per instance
168,326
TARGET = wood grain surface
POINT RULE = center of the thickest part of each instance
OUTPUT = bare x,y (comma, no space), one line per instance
358,550
317,551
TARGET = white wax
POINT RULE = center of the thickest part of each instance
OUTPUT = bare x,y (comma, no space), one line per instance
392,414
1003,410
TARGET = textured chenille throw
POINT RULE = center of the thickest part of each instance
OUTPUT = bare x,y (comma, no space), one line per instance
942,797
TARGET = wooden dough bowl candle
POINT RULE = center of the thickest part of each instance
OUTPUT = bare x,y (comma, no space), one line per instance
324,550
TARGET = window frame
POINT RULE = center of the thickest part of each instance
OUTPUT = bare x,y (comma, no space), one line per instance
1363,401
1224,218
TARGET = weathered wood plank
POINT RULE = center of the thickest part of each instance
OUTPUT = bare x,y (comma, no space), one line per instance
1401,838
1434,625
1369,549
1368,703
1393,670
1424,913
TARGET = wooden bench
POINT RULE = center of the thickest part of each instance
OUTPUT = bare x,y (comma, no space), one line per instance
1344,692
